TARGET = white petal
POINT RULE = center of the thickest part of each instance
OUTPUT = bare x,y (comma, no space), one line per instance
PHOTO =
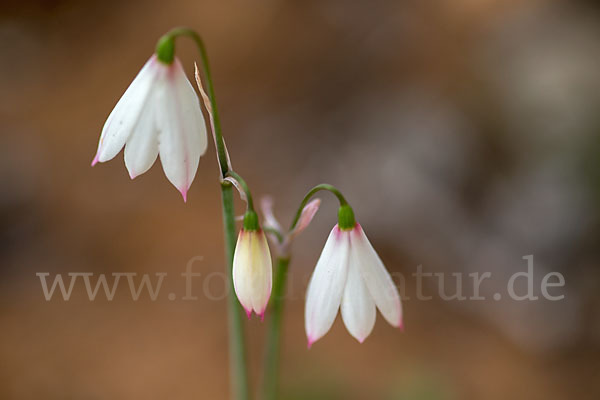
326,286
252,271
376,278
182,132
123,118
358,307
141,149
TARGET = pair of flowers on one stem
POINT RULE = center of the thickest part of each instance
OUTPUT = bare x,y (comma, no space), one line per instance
159,115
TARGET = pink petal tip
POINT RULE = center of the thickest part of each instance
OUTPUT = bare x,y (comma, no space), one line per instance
262,316
309,343
248,313
95,160
184,194
401,326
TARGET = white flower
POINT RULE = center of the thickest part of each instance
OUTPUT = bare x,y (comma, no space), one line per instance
158,114
350,274
252,271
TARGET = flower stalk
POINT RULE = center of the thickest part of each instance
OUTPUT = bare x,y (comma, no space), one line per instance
311,193
273,340
238,181
237,349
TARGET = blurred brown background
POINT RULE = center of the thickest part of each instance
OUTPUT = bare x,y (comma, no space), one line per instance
465,134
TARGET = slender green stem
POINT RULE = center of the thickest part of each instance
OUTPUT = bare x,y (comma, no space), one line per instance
273,342
311,192
237,352
237,349
244,186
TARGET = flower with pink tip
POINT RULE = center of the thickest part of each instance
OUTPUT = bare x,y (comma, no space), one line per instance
252,271
350,275
159,114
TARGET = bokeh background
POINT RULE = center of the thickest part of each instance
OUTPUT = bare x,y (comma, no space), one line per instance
465,133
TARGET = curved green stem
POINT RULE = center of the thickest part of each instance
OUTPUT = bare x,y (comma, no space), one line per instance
237,349
311,192
273,342
245,188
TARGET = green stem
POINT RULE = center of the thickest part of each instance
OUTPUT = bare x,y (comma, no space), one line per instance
311,192
273,341
244,186
237,349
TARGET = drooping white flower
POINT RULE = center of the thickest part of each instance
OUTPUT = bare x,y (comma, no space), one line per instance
252,271
350,275
159,114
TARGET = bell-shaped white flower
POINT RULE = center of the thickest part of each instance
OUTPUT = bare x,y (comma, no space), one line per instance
159,114
252,271
350,275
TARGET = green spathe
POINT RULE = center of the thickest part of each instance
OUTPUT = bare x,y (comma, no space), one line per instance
251,221
165,49
346,219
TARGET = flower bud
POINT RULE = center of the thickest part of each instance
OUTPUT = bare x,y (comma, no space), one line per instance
252,267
